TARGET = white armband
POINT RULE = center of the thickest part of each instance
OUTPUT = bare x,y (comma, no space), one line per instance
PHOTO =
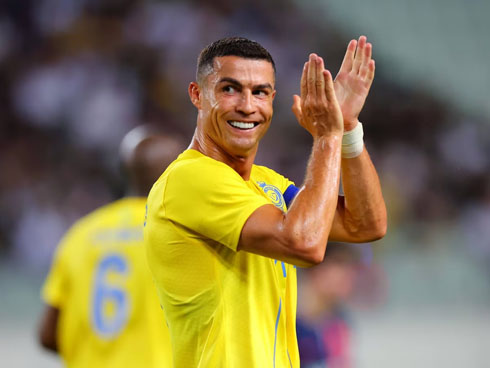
352,142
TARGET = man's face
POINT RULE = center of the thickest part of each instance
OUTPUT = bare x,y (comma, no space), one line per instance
235,108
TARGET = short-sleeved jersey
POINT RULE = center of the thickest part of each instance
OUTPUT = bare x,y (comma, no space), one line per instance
225,308
110,315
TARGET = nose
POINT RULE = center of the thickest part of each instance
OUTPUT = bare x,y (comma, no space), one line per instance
246,104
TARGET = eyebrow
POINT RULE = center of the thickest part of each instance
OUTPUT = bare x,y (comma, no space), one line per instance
237,83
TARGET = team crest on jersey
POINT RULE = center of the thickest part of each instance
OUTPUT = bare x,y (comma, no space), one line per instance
273,193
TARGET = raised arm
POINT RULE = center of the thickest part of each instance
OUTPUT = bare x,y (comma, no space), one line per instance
300,235
361,213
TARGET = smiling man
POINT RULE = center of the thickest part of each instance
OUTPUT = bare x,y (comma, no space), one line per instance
224,236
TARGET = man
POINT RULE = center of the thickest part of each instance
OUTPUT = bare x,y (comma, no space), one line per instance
223,235
101,306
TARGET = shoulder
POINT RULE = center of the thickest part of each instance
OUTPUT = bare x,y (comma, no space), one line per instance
102,216
265,174
265,171
196,169
95,217
193,179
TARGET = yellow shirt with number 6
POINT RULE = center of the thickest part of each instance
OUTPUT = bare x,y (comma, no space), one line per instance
110,315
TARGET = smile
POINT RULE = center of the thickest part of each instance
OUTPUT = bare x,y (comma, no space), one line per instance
242,125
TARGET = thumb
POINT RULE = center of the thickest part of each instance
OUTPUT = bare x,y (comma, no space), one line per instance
297,107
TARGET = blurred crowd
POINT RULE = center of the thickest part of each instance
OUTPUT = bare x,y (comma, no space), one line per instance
76,75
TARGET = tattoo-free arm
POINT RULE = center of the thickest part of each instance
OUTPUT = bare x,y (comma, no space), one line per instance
361,212
300,236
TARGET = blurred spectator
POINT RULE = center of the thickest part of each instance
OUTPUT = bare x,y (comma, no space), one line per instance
323,326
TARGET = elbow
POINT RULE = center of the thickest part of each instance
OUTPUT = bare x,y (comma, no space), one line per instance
372,227
375,231
313,260
47,333
380,227
380,230
308,254
365,231
47,342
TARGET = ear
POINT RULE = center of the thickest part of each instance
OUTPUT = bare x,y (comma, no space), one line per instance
195,94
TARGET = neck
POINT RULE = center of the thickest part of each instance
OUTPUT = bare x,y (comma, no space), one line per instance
241,164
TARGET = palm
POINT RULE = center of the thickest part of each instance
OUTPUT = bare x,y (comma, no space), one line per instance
351,93
354,80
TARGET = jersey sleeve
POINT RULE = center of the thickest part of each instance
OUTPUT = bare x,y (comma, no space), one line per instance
56,285
210,200
287,187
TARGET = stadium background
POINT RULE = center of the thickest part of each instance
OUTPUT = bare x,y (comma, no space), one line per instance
75,75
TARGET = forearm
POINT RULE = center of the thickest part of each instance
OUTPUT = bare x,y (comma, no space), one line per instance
300,236
363,211
310,217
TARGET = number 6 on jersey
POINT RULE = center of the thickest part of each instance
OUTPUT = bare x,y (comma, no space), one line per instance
110,305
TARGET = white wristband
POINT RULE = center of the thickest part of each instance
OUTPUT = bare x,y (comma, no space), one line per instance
352,142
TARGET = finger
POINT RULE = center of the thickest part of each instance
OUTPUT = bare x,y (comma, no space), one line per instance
368,50
312,76
304,76
367,71
371,68
359,54
297,108
348,57
329,88
320,80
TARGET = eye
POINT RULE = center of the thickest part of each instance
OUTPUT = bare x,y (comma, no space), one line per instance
229,89
261,93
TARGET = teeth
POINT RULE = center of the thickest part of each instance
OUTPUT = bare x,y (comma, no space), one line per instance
242,125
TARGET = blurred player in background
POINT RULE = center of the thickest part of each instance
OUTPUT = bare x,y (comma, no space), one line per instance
224,235
102,309
323,327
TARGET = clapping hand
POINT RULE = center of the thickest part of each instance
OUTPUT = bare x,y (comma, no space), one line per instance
317,110
354,80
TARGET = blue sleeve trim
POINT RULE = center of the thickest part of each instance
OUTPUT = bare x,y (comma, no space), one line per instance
289,194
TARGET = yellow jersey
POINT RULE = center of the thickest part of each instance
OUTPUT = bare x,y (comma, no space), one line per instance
224,308
110,315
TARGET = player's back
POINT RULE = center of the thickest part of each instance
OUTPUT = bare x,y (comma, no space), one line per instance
110,315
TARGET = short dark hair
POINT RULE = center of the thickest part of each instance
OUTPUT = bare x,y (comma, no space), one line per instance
230,46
